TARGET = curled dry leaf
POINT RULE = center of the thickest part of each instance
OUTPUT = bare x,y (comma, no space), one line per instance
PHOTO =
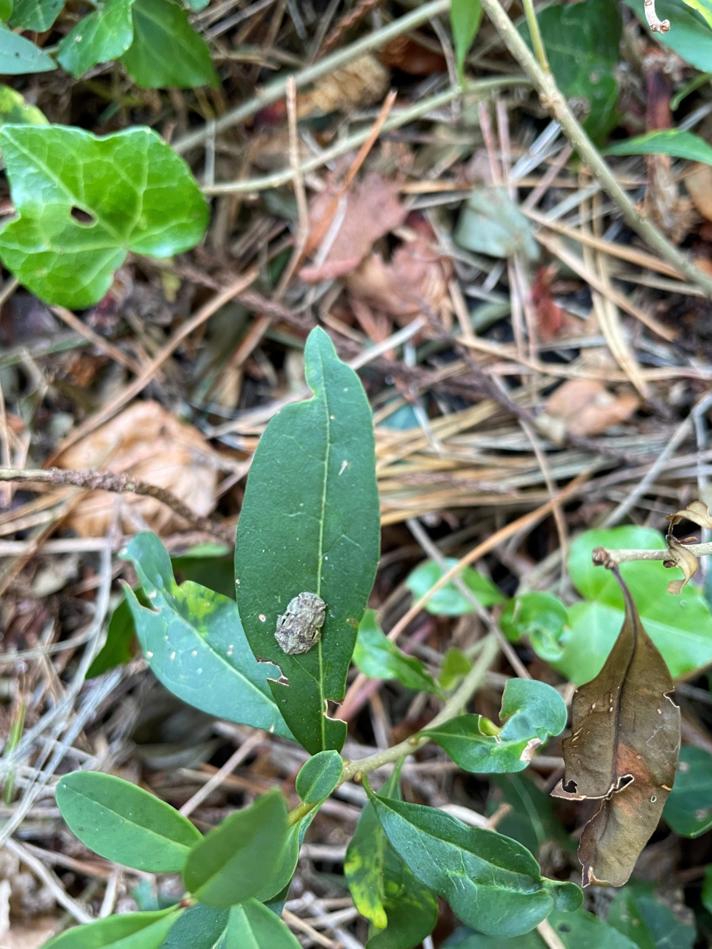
149,443
678,554
622,750
586,407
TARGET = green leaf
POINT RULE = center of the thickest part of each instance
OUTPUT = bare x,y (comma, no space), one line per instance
465,16
489,881
319,776
378,658
577,930
128,931
532,712
166,51
18,55
6,9
200,927
139,195
531,819
242,857
197,5
15,110
539,616
449,600
97,38
253,926
703,7
707,889
119,646
690,37
454,668
582,41
644,917
124,823
688,810
310,524
673,142
36,15
680,626
491,223
195,645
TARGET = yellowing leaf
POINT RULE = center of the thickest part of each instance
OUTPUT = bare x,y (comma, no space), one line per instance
704,9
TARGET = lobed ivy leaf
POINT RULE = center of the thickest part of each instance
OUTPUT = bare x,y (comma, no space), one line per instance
97,38
124,823
531,712
137,930
244,856
310,524
194,643
19,56
688,810
35,15
379,658
139,196
490,881
319,776
449,599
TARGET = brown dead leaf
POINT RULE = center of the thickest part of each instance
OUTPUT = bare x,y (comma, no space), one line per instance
678,554
623,749
699,187
410,56
586,407
356,85
149,443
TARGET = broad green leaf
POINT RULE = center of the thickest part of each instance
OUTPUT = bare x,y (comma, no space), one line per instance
310,524
690,37
577,930
253,926
18,55
531,712
200,927
15,110
531,819
128,931
166,51
6,9
491,223
120,638
138,194
703,7
195,645
97,38
689,808
674,142
36,15
454,668
319,776
539,616
581,41
124,823
378,658
449,600
640,914
489,881
465,16
242,857
680,626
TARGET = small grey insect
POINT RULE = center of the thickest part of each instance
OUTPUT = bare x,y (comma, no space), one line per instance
299,627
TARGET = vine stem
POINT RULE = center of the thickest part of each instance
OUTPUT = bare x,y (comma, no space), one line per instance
604,557
556,104
535,33
355,770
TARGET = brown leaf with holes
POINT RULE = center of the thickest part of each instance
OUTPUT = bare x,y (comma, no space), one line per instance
586,407
623,749
149,443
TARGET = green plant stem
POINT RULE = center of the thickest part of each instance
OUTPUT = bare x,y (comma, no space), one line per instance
277,89
556,104
454,705
535,33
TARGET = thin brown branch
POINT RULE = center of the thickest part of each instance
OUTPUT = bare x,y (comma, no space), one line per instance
604,557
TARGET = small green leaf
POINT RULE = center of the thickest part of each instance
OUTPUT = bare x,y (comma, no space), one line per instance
166,51
489,881
124,823
194,643
539,616
641,915
120,638
532,712
18,55
134,930
378,658
491,223
673,142
688,810
253,926
139,196
454,668
6,9
465,16
690,37
97,38
36,15
15,110
576,930
449,600
310,524
319,776
242,857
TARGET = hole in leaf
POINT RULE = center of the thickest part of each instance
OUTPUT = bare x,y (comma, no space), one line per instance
570,787
82,217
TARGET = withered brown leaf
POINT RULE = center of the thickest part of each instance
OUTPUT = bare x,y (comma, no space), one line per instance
623,750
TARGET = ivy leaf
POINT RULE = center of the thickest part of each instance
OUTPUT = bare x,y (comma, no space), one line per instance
35,15
465,17
139,930
97,38
378,658
622,751
490,881
449,600
18,55
674,142
242,857
532,712
310,524
688,810
319,776
690,37
138,194
539,616
124,823
166,51
195,645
